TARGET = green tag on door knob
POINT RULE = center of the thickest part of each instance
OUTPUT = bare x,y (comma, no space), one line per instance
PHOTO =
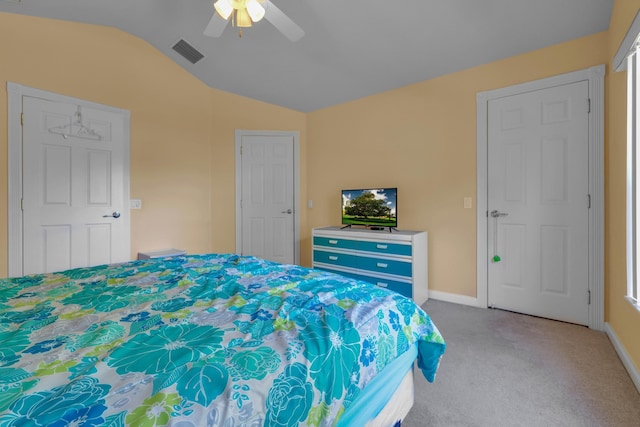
496,258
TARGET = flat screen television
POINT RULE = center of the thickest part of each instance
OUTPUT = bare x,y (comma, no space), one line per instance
371,207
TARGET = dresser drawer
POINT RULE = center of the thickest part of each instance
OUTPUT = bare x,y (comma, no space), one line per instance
332,242
386,266
402,288
385,248
335,258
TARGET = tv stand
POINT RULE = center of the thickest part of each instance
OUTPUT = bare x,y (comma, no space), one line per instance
380,228
372,227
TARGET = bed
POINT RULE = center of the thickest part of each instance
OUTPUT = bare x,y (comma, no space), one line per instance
208,340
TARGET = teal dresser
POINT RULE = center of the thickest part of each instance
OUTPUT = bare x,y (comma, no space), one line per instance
397,260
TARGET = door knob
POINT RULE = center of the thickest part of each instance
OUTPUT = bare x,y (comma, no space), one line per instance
115,214
288,211
496,214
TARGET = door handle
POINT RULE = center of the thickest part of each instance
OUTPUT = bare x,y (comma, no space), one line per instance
115,214
496,214
288,211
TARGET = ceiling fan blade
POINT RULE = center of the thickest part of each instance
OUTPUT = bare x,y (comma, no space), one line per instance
216,26
282,22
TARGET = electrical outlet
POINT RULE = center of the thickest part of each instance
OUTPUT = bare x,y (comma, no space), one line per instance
135,204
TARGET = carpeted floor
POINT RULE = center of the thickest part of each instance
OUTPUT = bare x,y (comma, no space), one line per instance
508,369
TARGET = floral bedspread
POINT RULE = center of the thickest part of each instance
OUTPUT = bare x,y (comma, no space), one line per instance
203,340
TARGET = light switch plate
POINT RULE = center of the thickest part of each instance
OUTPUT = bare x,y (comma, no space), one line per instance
135,204
467,202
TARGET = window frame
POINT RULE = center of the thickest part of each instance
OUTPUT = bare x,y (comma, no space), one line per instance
628,58
633,175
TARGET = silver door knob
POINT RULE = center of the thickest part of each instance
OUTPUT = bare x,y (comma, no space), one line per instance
115,214
496,214
288,211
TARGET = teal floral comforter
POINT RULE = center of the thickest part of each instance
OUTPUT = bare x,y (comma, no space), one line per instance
204,340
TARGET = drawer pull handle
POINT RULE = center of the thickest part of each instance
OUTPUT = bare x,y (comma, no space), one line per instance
381,265
381,246
382,284
333,258
333,242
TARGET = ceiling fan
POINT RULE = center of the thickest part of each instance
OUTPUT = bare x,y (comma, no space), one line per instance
243,13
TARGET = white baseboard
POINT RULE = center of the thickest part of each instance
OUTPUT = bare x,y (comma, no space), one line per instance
454,298
624,356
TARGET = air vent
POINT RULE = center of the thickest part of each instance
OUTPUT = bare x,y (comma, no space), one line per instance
187,51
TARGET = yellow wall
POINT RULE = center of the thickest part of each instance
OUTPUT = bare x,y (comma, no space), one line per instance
182,132
422,139
622,318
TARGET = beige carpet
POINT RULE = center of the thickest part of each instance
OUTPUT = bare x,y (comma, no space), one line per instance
508,369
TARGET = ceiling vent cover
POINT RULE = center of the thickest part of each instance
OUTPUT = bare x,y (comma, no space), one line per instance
187,51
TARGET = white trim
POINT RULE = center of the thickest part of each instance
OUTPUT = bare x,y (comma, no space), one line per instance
632,177
296,184
482,196
15,93
595,77
631,181
596,190
624,356
14,242
454,298
620,60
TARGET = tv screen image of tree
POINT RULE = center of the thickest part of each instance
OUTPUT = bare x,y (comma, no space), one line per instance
371,207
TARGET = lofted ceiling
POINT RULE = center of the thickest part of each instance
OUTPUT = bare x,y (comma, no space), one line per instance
351,48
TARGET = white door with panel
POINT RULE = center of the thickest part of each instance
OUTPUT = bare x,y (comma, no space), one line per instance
75,186
267,197
538,203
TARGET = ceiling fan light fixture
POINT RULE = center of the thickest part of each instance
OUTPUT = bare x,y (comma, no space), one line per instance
243,13
243,20
255,10
224,8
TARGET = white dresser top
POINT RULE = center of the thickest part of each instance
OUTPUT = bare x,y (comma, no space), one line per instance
361,232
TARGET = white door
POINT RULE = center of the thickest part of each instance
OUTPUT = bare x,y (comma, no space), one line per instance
75,191
538,203
267,197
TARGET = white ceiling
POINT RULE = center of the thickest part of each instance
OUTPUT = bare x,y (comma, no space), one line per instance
351,49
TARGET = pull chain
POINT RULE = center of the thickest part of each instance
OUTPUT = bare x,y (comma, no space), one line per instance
496,257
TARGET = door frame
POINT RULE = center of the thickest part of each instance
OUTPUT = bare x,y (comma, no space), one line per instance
296,184
595,77
15,92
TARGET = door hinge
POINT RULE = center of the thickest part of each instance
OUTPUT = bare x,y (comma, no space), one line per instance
21,119
588,105
22,205
588,201
589,295
241,150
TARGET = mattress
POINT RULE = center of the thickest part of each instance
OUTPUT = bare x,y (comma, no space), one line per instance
378,404
398,405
